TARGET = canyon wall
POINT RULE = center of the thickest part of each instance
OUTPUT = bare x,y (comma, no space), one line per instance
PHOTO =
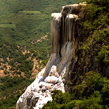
58,73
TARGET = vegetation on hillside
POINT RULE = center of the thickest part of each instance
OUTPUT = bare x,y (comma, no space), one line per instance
10,90
96,31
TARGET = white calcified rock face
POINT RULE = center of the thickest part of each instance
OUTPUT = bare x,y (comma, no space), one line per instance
54,75
39,92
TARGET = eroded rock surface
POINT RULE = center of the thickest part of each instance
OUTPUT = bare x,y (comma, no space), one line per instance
64,33
39,92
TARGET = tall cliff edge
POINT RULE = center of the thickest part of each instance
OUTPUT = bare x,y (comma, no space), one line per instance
63,70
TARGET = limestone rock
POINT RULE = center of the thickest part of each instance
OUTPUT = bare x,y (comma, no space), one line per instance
55,32
39,92
55,76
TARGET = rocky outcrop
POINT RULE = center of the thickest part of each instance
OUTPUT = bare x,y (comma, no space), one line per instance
57,73
39,92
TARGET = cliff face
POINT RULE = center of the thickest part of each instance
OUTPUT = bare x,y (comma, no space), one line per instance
66,36
60,69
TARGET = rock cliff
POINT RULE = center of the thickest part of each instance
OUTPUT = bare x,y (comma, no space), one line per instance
59,71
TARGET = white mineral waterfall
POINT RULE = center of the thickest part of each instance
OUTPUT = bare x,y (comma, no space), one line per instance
39,92
70,22
54,75
55,37
55,32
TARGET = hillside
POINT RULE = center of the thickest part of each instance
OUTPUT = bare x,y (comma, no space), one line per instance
25,44
27,20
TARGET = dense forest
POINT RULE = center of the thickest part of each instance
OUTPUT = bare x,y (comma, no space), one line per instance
93,91
25,44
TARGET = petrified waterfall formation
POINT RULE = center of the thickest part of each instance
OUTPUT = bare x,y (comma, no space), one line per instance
55,32
64,33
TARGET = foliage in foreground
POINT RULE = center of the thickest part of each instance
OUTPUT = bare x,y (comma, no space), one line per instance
91,94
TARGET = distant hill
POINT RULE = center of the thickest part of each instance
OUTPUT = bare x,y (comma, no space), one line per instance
30,19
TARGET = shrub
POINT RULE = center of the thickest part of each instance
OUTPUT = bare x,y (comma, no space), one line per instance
6,72
102,57
105,93
94,80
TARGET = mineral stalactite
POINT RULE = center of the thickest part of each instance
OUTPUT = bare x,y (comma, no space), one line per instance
55,32
64,34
